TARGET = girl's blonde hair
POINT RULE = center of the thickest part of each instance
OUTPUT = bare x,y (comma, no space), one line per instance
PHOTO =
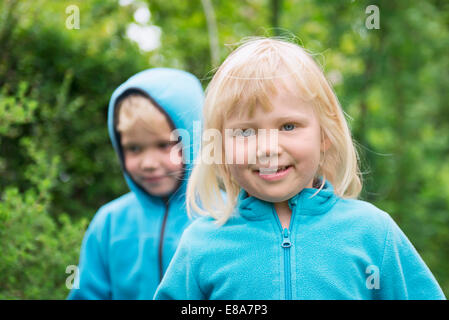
249,77
137,107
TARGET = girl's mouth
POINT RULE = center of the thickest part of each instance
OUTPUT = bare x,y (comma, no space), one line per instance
273,173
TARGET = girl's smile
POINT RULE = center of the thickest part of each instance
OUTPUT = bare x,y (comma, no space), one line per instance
273,174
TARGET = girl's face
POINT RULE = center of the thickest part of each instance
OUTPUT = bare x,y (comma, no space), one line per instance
294,158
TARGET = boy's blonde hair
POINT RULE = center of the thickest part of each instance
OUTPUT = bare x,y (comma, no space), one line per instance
137,107
249,77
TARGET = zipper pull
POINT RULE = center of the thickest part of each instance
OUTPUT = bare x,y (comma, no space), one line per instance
286,239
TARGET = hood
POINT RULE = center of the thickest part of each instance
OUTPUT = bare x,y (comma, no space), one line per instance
180,96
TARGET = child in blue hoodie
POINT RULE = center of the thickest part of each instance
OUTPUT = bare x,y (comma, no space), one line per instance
130,241
275,137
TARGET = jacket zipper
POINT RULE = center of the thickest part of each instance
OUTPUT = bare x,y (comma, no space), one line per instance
286,245
161,242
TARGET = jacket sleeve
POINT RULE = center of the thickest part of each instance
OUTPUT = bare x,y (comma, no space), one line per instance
403,273
93,272
180,281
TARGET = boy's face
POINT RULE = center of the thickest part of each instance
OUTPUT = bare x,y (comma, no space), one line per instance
147,158
294,158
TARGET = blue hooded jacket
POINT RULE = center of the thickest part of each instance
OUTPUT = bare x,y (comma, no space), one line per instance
334,248
130,241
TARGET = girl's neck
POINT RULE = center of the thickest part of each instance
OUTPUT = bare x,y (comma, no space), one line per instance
284,213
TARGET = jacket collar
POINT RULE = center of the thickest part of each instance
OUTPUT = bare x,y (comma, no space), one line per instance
304,203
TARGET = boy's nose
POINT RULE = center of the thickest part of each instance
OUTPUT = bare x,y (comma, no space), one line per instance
149,161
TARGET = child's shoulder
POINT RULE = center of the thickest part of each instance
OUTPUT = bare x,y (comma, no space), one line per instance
205,229
119,204
115,208
200,228
360,206
363,213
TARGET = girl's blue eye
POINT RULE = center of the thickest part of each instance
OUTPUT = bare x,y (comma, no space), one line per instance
248,132
244,132
288,127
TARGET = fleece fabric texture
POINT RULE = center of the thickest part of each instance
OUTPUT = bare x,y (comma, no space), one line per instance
120,251
334,248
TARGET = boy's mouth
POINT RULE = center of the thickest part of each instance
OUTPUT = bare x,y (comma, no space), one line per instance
153,178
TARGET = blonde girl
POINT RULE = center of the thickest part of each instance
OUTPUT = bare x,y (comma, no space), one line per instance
291,226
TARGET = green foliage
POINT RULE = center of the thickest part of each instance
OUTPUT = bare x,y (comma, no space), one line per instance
36,249
56,162
15,110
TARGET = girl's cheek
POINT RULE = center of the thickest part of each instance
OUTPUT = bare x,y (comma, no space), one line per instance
240,151
251,151
229,151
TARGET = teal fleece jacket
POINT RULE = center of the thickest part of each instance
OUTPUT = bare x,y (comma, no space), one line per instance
334,248
130,241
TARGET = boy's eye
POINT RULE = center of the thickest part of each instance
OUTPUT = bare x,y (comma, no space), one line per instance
166,144
288,127
244,133
133,148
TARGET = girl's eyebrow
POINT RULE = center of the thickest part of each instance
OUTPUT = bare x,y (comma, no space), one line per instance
249,124
294,117
240,124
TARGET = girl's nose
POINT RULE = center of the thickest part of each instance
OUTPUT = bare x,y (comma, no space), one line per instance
270,159
268,149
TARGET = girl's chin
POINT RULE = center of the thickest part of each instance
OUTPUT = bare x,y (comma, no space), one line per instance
273,197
